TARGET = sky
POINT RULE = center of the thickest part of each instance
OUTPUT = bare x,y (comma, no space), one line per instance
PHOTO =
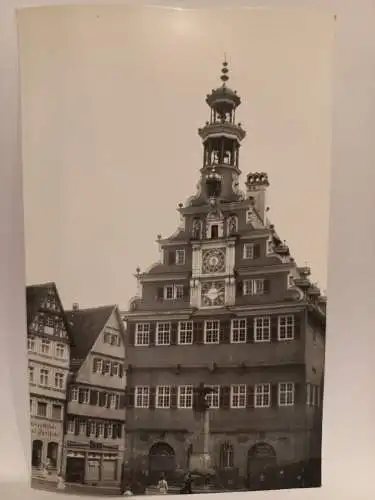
111,100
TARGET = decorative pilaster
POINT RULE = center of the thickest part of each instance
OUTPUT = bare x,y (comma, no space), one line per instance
230,260
230,291
196,261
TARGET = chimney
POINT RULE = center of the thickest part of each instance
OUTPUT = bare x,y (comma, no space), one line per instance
75,306
257,184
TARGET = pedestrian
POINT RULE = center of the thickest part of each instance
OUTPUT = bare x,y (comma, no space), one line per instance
187,489
128,492
163,485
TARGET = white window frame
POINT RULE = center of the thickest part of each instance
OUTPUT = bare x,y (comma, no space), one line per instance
262,324
238,331
86,396
179,292
59,380
98,365
213,398
115,369
82,428
185,396
185,330
248,251
44,375
253,286
101,428
60,351
107,368
142,334
163,391
74,395
114,401
262,395
238,392
45,405
285,327
92,429
142,396
176,292
45,346
110,431
212,331
180,257
286,390
163,328
71,427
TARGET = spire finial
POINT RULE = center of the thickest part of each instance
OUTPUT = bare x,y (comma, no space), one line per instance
224,70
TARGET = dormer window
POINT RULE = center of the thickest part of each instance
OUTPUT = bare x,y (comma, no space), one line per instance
180,257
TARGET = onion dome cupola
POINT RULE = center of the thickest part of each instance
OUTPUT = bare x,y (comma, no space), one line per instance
221,137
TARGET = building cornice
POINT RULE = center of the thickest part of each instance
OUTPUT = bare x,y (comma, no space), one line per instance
150,278
262,270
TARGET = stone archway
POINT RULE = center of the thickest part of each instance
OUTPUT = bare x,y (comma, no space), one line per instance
162,460
260,459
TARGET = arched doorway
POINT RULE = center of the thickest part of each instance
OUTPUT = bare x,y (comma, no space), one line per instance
261,459
36,453
162,460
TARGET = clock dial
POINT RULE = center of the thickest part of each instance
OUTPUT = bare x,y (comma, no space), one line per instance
213,260
213,293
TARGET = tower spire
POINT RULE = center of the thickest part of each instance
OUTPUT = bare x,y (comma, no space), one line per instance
224,71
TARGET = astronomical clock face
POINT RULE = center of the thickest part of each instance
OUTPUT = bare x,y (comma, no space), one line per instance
213,293
213,260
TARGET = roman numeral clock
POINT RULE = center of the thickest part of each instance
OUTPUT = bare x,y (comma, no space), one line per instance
213,291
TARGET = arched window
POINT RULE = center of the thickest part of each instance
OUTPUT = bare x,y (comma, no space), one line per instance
36,454
226,455
52,451
197,229
232,225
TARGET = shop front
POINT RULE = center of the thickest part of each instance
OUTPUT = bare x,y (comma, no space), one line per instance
46,448
93,463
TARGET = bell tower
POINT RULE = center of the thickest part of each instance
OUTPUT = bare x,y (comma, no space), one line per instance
221,137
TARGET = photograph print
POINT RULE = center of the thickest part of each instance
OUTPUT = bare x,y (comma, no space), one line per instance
176,168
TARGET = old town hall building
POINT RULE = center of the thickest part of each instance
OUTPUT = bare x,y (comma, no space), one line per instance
227,306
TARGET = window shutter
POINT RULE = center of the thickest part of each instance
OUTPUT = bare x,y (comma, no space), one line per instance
300,394
171,257
93,397
250,330
225,397
274,328
239,287
152,397
267,286
102,399
298,322
225,332
152,334
114,431
198,332
274,395
250,396
119,430
174,395
107,399
122,401
70,393
87,428
121,370
80,396
159,293
256,251
129,397
105,430
130,333
112,371
76,426
186,292
174,333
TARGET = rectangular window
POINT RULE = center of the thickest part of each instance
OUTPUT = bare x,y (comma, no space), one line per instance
43,378
92,429
82,428
179,292
74,395
248,251
168,292
31,374
100,429
115,369
56,412
163,334
163,396
286,327
71,426
41,409
142,334
59,380
180,257
253,287
185,396
262,396
269,246
50,322
238,396
173,292
238,331
249,215
142,396
286,394
185,332
60,350
212,332
106,367
44,346
31,344
85,396
213,398
114,401
262,329
110,431
98,366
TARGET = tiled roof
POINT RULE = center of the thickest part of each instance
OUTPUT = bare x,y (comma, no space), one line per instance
85,327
